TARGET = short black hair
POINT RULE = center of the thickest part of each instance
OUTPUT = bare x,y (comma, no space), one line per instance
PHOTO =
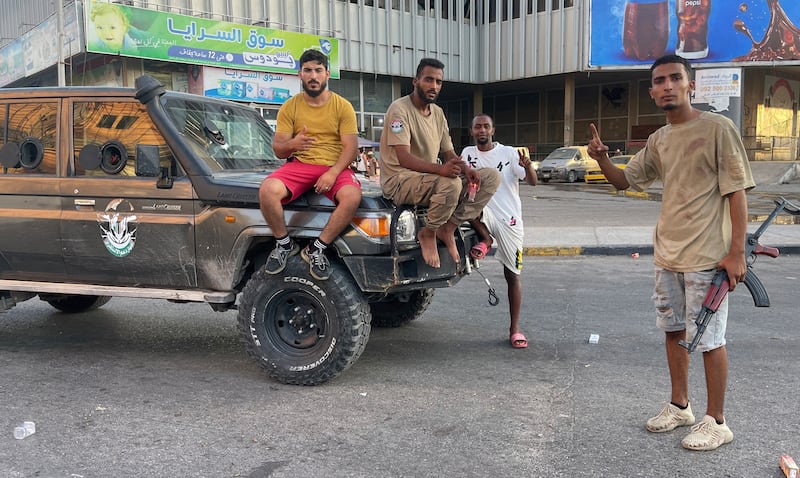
491,120
313,55
666,59
432,62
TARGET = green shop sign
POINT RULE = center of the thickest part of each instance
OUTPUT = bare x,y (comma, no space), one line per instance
144,33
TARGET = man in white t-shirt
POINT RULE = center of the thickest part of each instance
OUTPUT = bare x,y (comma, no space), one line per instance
502,217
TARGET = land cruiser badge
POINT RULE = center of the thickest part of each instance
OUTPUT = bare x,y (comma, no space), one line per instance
118,226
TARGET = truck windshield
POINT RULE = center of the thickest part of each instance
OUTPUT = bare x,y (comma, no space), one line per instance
226,136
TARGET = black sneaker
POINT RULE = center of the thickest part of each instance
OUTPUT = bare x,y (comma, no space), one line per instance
319,265
276,261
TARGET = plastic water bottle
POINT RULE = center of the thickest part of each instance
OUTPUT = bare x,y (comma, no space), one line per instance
25,430
473,188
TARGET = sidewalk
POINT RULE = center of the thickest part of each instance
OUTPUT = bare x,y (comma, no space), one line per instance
578,219
624,240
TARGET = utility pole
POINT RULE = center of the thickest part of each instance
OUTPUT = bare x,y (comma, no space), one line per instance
62,81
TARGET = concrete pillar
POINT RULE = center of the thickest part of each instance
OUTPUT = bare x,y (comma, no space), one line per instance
569,110
397,86
477,99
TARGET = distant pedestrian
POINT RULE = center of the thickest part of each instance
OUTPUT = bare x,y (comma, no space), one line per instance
360,163
372,164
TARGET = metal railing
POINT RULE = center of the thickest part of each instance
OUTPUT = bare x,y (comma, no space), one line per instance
771,148
759,148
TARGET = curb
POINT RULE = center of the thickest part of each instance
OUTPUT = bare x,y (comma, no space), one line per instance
550,251
646,249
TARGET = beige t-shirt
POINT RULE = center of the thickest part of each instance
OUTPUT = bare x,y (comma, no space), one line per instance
699,162
427,136
327,123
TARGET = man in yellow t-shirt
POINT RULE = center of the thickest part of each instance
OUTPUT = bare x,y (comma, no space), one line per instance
317,132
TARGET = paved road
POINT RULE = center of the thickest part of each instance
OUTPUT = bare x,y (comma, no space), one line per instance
148,388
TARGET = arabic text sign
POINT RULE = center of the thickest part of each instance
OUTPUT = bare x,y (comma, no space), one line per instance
144,33
37,49
719,90
254,86
718,83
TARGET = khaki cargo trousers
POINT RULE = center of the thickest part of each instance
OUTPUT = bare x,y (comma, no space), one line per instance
446,198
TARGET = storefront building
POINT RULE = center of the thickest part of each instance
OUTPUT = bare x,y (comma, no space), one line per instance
544,69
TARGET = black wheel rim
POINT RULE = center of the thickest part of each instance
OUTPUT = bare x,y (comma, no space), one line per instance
296,323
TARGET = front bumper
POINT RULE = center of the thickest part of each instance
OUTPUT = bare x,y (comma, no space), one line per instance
406,270
553,174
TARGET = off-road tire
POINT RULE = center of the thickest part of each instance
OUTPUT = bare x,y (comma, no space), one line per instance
300,330
72,304
395,311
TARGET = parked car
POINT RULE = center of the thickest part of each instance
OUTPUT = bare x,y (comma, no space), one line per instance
566,164
595,175
151,193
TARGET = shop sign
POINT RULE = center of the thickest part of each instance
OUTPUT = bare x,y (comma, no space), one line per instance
151,34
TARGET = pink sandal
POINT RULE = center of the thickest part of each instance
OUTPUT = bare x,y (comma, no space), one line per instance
518,341
479,251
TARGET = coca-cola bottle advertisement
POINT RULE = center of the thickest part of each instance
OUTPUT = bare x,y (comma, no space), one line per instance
626,32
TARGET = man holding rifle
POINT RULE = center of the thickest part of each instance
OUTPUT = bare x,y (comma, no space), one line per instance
700,158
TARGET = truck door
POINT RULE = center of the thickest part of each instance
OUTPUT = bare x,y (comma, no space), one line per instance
30,206
118,228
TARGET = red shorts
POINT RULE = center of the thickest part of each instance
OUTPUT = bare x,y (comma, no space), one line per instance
300,177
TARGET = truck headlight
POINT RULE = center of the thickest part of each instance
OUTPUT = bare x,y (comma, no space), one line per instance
406,229
375,227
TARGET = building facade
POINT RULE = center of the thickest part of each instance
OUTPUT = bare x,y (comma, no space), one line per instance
544,69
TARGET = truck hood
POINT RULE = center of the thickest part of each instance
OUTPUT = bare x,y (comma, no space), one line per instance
241,187
553,163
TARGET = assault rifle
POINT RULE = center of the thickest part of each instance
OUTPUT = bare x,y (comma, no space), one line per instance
720,283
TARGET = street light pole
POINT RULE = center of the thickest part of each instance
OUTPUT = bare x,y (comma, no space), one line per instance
62,81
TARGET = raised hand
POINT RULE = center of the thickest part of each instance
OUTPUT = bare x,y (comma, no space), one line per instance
597,150
524,161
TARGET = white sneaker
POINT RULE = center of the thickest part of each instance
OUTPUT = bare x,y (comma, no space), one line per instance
707,435
670,418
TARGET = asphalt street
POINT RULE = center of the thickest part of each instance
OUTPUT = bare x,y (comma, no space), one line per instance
148,388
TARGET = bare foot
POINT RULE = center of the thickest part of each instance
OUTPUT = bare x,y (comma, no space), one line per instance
427,240
446,234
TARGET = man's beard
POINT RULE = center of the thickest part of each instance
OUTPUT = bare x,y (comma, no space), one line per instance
314,93
669,107
482,141
421,94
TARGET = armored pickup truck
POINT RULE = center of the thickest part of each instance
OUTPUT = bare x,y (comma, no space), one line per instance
148,193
